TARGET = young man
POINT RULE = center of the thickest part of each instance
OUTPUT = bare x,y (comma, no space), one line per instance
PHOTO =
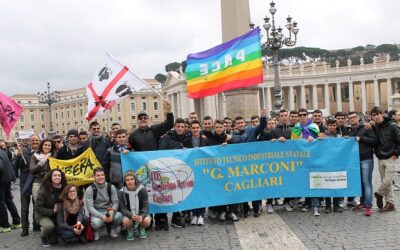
249,134
387,151
337,201
112,159
306,129
82,137
255,120
317,119
208,126
73,148
282,132
98,201
293,118
193,117
172,140
97,141
228,125
134,203
366,142
195,140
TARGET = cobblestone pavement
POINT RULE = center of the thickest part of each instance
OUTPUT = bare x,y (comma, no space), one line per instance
347,230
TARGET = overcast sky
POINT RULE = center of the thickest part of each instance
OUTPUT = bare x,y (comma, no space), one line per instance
64,42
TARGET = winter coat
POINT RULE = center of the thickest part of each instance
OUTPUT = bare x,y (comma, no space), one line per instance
281,130
250,133
44,204
388,134
172,140
148,139
6,170
141,194
368,141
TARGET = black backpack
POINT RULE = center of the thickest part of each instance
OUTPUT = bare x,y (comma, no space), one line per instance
94,188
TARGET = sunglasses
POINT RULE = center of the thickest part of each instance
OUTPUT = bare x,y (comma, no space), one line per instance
302,115
57,141
143,118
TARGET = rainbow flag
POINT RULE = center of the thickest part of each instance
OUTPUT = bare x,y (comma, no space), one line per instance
231,65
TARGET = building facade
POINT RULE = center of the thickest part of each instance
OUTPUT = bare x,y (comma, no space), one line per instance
312,86
71,110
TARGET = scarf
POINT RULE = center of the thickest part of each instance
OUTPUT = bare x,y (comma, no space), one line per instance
71,207
121,148
300,131
133,198
41,157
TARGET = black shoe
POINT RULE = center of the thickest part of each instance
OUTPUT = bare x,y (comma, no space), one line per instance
24,232
257,212
82,239
337,209
45,242
379,200
177,222
159,226
36,228
165,226
327,209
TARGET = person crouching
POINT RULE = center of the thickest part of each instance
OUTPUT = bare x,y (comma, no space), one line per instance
133,201
70,218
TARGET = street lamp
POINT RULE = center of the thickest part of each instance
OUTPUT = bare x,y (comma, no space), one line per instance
49,97
275,41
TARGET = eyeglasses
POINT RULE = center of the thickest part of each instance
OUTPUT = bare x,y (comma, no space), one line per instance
95,128
57,141
302,115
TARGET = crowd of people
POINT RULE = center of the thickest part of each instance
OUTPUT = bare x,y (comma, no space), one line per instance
64,212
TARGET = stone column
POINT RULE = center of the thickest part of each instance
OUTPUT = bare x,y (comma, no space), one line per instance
363,97
268,99
351,97
303,103
389,92
338,97
314,97
327,104
376,93
291,98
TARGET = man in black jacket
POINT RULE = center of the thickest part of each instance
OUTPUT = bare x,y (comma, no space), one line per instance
366,142
22,163
172,140
387,151
146,138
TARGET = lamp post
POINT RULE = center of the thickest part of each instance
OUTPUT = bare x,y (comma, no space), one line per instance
49,97
275,41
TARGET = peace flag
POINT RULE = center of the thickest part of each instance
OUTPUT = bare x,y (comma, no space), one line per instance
110,84
231,65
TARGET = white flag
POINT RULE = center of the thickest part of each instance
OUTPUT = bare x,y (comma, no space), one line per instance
110,84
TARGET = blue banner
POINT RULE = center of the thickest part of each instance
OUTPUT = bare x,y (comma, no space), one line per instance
183,179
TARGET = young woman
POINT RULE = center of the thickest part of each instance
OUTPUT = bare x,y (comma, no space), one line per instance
39,164
46,205
133,201
70,217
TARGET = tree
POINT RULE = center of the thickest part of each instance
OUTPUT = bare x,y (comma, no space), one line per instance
172,66
160,78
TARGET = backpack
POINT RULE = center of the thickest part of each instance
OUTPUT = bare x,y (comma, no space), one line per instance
94,188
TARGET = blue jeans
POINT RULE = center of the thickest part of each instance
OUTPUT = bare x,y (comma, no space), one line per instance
367,166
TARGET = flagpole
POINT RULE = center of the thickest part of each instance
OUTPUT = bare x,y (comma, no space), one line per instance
19,146
162,97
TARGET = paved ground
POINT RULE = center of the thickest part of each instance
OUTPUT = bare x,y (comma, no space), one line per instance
280,230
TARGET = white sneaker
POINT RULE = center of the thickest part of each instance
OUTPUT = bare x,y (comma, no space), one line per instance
200,221
270,210
233,217
96,235
222,216
195,220
316,212
288,207
114,233
353,203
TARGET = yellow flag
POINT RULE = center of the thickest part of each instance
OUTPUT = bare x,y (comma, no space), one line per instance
78,171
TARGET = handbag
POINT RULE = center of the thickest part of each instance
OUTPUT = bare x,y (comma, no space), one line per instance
27,188
89,231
